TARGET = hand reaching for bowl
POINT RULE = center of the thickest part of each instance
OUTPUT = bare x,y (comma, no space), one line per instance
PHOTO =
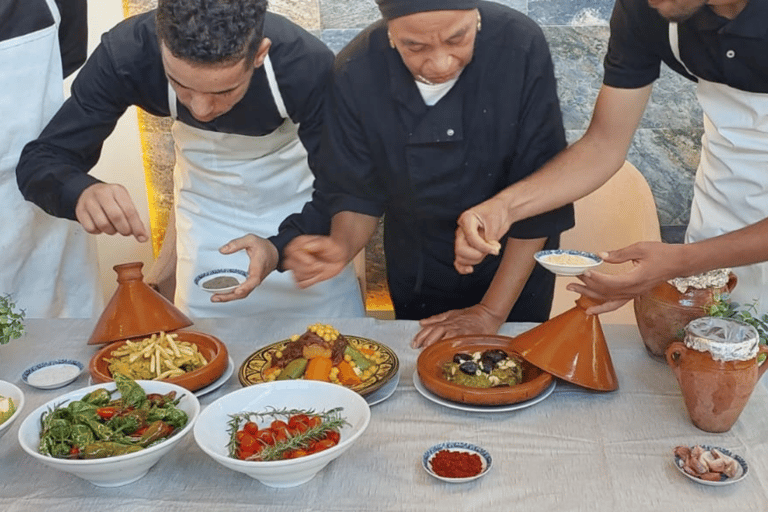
263,260
476,319
314,258
653,262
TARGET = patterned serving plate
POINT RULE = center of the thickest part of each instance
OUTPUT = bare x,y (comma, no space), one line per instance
252,370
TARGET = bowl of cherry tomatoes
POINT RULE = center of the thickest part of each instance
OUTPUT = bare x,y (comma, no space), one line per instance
282,433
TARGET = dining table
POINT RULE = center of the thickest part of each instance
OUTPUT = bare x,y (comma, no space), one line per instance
573,450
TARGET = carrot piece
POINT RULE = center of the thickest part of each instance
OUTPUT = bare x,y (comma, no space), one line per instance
347,375
319,368
367,351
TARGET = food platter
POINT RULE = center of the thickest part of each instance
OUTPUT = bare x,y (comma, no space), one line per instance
480,408
430,371
252,370
384,392
742,469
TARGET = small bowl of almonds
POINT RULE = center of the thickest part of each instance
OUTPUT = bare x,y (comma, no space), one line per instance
188,359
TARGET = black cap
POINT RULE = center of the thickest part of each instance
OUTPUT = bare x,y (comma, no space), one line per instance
391,9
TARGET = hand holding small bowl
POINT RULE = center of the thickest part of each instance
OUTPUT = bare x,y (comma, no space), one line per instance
567,262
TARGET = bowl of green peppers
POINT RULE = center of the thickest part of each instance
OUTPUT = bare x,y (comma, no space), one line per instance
110,434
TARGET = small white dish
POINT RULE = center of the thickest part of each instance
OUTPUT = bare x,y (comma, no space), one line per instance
8,390
52,374
565,262
457,446
221,280
741,472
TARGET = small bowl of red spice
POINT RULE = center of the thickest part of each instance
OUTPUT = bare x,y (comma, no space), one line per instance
456,461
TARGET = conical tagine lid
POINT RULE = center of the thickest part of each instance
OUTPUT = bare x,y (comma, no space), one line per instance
572,347
135,310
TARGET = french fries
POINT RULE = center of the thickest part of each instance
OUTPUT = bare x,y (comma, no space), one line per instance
161,356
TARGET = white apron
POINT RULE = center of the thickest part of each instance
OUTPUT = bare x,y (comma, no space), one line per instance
731,186
229,185
48,265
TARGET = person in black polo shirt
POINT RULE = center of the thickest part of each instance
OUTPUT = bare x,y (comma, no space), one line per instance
723,46
433,109
245,88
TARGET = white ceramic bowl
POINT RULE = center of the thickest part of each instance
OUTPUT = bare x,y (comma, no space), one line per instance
212,436
580,261
111,471
14,393
204,280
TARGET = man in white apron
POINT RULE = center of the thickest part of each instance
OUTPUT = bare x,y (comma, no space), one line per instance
245,88
720,44
48,265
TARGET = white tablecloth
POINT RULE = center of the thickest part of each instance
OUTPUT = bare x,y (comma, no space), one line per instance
576,450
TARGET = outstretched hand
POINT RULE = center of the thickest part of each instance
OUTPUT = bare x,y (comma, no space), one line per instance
263,260
314,258
108,208
653,262
475,319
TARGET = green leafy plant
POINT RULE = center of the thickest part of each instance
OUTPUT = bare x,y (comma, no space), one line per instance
11,321
748,314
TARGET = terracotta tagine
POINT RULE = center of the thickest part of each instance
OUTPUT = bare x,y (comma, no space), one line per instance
572,347
717,369
663,313
135,310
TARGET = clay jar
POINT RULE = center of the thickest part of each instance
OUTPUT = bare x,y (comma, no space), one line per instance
663,313
716,384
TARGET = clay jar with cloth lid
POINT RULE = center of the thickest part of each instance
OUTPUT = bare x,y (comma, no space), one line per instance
663,313
717,368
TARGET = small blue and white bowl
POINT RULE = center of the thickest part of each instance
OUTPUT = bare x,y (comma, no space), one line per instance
741,470
457,446
564,262
52,374
206,279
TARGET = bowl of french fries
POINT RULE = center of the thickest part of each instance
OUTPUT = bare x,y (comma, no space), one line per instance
188,359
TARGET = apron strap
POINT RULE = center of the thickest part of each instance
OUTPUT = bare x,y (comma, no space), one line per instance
273,88
674,45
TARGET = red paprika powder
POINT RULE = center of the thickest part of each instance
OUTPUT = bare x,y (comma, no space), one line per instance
452,464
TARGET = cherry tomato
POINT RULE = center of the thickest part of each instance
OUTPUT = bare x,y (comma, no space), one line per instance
240,434
248,443
334,436
295,454
242,455
297,419
74,452
140,431
323,444
266,437
106,413
280,435
252,428
314,421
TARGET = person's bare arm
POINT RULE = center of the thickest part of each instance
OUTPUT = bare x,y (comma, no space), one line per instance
315,258
573,173
656,262
486,317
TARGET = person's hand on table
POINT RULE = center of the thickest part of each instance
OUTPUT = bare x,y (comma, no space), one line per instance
479,230
654,262
264,257
475,319
314,258
108,208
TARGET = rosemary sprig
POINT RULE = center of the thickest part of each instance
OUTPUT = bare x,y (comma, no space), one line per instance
331,420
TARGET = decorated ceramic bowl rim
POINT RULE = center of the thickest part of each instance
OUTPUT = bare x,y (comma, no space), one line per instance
201,278
738,458
567,269
462,446
68,362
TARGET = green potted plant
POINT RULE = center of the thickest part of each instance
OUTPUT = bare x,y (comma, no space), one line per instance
11,320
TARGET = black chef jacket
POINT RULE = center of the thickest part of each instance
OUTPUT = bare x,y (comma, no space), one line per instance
731,52
126,69
21,17
385,152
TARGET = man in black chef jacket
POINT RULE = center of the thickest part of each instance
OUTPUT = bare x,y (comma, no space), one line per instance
245,89
433,109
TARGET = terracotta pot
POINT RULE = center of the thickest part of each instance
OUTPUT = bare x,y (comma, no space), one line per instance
715,392
663,313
